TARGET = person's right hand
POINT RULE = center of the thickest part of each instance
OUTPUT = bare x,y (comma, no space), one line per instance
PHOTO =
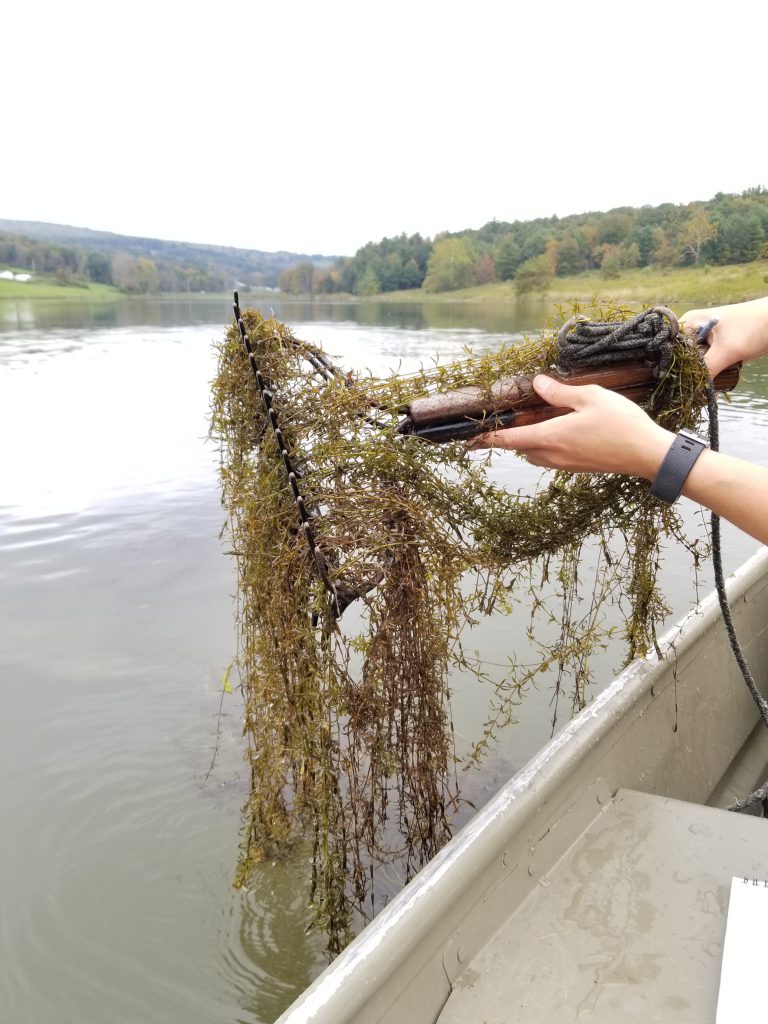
605,433
741,332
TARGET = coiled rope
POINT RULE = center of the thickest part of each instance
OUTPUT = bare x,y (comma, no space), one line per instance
647,338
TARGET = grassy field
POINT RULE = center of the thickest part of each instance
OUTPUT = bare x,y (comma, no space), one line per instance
49,288
678,287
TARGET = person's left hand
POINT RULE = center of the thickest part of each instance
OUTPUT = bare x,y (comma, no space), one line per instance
605,433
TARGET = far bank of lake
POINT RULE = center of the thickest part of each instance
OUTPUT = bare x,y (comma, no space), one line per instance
680,288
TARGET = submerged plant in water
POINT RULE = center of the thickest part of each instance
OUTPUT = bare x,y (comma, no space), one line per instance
353,597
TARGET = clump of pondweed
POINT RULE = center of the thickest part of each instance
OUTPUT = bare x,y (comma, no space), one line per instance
349,733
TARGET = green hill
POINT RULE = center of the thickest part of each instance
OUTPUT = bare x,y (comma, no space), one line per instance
107,258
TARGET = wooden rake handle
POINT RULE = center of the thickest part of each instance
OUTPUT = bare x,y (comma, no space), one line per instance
512,402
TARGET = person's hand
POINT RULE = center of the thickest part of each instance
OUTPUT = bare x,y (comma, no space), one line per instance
605,433
740,334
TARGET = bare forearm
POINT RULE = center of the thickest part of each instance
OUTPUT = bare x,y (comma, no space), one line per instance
734,489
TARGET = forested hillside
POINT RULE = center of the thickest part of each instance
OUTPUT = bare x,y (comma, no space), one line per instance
139,264
726,229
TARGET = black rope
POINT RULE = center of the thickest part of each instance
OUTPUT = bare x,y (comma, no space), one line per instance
760,795
717,565
648,338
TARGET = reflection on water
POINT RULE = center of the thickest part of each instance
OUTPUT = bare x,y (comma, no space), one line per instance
155,311
83,314
115,631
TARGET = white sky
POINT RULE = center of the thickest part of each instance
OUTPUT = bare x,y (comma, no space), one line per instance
319,126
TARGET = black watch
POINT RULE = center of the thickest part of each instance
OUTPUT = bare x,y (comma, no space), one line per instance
677,464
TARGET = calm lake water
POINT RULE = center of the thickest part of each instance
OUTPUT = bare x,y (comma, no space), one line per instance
116,627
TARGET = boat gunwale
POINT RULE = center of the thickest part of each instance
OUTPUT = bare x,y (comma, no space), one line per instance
407,922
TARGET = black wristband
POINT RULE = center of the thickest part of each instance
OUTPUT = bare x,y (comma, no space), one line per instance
677,464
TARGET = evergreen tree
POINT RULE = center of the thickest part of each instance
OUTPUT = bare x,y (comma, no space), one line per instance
507,257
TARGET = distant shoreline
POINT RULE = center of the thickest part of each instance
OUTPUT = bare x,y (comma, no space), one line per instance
676,287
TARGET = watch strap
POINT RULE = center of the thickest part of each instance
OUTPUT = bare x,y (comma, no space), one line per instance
677,464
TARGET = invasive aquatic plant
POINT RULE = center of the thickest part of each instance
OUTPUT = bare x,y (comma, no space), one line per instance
345,655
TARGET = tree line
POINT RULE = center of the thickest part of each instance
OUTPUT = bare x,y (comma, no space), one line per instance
139,265
132,274
726,229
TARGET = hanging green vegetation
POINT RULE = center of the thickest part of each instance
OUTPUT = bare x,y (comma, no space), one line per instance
345,654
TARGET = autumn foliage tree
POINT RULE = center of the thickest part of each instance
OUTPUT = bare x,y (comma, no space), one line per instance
451,266
696,231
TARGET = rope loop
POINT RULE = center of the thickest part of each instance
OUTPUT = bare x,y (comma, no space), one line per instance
647,338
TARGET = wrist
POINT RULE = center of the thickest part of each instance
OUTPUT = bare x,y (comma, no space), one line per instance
652,452
681,458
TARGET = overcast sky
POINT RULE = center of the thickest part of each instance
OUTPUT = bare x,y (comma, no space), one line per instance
318,126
